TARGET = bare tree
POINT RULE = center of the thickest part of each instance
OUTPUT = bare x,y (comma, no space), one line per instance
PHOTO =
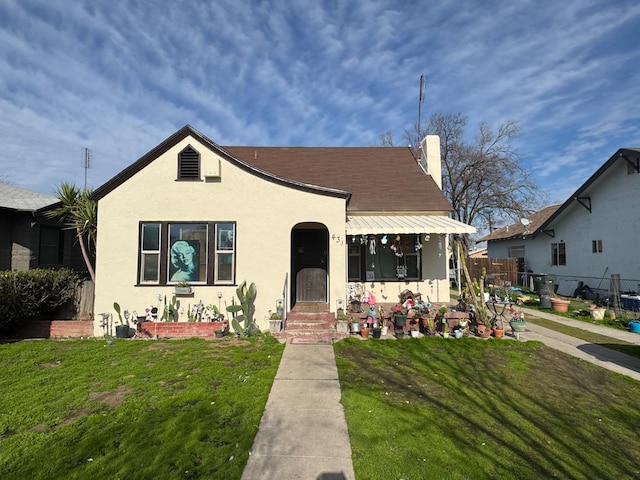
385,139
484,180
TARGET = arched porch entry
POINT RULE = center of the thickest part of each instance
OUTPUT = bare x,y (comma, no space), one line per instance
309,263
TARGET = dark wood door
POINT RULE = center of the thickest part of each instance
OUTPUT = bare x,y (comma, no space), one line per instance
309,264
311,285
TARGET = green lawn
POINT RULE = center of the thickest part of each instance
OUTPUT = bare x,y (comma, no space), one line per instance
472,409
96,409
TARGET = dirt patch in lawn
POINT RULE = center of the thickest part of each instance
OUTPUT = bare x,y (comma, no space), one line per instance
111,398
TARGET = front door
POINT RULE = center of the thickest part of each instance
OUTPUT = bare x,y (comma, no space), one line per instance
309,245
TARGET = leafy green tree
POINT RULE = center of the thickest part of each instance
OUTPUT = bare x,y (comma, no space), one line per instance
78,212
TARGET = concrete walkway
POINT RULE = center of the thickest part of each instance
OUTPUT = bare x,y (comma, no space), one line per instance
303,433
596,354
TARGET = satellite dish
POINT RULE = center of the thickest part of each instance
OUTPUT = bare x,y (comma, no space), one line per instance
525,221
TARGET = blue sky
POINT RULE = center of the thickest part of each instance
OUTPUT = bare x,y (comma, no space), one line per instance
119,77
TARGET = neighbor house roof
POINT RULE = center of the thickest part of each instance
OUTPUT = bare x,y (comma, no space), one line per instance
20,199
373,179
519,229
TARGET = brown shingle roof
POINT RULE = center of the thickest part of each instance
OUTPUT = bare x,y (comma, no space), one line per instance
519,229
378,179
384,179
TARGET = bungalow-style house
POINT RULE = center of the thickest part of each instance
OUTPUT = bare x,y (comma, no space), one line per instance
587,238
306,225
27,238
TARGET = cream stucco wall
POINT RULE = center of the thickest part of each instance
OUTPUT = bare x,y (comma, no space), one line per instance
265,214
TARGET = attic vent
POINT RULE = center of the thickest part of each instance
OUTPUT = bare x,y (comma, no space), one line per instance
188,164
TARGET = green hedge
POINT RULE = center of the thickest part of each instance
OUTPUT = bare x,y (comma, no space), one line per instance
28,295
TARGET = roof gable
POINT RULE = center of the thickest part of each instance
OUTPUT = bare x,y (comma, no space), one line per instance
188,131
519,229
629,155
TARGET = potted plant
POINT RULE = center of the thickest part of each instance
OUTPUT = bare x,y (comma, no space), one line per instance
431,326
559,304
364,331
376,332
122,330
342,322
483,322
399,316
275,322
182,288
221,332
414,327
498,328
517,323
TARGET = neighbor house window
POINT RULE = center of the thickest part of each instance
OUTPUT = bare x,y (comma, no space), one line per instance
596,246
189,164
516,252
51,246
371,259
558,254
194,252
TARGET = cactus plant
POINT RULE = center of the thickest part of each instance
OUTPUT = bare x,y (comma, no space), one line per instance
244,311
170,313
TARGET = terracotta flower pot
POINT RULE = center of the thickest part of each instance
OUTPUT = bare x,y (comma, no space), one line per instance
498,332
559,304
364,332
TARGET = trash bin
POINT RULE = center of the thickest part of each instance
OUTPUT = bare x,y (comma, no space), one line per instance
541,284
545,301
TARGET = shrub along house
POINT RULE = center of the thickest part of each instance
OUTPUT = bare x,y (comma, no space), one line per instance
306,225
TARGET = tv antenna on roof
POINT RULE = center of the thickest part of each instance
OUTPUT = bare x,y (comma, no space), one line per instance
85,158
423,88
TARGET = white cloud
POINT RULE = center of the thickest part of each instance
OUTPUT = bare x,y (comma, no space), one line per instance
120,78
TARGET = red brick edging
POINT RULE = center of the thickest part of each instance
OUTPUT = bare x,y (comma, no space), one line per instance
56,329
178,329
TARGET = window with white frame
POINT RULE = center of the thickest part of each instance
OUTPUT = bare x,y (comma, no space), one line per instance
225,253
558,253
193,252
596,246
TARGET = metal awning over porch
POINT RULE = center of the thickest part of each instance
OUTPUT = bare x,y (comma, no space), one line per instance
381,224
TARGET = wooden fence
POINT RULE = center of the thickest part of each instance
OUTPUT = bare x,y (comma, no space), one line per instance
84,301
500,271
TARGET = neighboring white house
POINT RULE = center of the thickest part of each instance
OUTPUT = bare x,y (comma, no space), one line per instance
304,224
592,235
